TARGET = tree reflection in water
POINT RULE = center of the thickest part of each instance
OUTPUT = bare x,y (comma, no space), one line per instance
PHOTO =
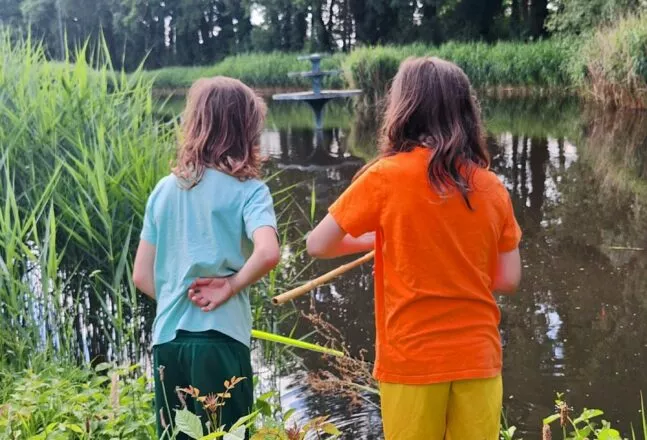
578,180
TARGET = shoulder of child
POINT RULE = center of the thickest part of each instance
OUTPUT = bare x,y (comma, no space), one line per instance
160,185
255,184
488,183
255,189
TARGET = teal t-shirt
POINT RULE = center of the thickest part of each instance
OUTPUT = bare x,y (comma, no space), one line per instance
205,231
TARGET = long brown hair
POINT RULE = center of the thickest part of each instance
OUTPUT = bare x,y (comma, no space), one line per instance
431,104
221,129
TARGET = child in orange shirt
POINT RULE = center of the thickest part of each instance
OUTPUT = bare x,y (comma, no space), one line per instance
445,237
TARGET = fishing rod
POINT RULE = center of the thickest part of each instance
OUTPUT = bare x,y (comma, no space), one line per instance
312,284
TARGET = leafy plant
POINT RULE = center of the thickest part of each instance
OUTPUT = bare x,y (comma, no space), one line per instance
63,402
586,426
612,65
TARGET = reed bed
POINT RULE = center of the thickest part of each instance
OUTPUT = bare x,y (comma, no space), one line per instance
537,66
261,70
532,65
612,65
81,150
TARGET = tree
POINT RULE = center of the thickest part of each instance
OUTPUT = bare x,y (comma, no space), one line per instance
430,29
578,16
473,20
537,15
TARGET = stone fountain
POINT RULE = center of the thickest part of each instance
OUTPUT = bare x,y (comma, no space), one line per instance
317,98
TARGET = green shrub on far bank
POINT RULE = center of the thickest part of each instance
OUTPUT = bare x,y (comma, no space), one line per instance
538,65
612,65
261,70
542,64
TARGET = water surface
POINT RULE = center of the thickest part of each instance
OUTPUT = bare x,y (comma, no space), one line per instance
578,181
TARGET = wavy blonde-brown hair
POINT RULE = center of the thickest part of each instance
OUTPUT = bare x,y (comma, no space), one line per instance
431,104
221,129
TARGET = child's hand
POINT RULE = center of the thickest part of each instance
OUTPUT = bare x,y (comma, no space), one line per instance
210,293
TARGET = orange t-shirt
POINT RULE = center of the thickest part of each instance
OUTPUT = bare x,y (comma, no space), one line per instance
435,315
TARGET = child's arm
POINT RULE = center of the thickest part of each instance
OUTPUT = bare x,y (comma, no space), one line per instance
209,293
508,274
144,270
329,240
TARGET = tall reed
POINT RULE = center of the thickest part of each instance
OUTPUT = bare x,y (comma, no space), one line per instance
81,149
612,65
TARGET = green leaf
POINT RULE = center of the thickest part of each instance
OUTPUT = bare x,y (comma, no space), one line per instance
313,202
550,419
264,407
103,366
266,396
75,428
331,429
189,423
508,434
243,420
236,434
214,435
609,434
588,414
289,414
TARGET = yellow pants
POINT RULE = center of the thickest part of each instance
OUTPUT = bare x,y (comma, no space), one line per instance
461,410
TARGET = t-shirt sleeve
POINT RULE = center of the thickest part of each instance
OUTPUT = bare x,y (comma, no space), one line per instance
149,229
511,233
357,210
259,210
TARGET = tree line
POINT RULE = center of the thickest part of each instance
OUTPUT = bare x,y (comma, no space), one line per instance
189,32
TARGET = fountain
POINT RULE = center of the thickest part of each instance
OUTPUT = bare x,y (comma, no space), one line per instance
317,98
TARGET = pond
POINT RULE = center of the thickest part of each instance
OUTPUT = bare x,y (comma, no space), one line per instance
578,325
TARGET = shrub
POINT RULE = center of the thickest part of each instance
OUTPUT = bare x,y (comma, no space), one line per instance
65,402
612,66
543,64
261,70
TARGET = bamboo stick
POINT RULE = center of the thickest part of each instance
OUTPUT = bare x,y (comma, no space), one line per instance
312,284
271,337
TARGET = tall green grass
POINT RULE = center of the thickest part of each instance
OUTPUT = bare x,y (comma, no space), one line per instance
539,65
261,70
81,150
612,65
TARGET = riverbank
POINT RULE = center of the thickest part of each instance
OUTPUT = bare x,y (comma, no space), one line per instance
502,66
105,402
607,66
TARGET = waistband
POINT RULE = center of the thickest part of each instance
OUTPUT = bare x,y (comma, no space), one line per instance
205,336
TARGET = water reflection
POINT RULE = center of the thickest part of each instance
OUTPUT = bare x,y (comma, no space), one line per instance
578,323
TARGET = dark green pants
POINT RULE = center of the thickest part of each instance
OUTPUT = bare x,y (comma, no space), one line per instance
203,360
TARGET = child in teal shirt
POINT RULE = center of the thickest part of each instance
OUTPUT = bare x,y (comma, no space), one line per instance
209,232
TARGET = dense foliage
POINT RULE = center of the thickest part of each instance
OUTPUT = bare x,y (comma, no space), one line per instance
66,402
81,149
542,64
191,32
574,17
612,65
